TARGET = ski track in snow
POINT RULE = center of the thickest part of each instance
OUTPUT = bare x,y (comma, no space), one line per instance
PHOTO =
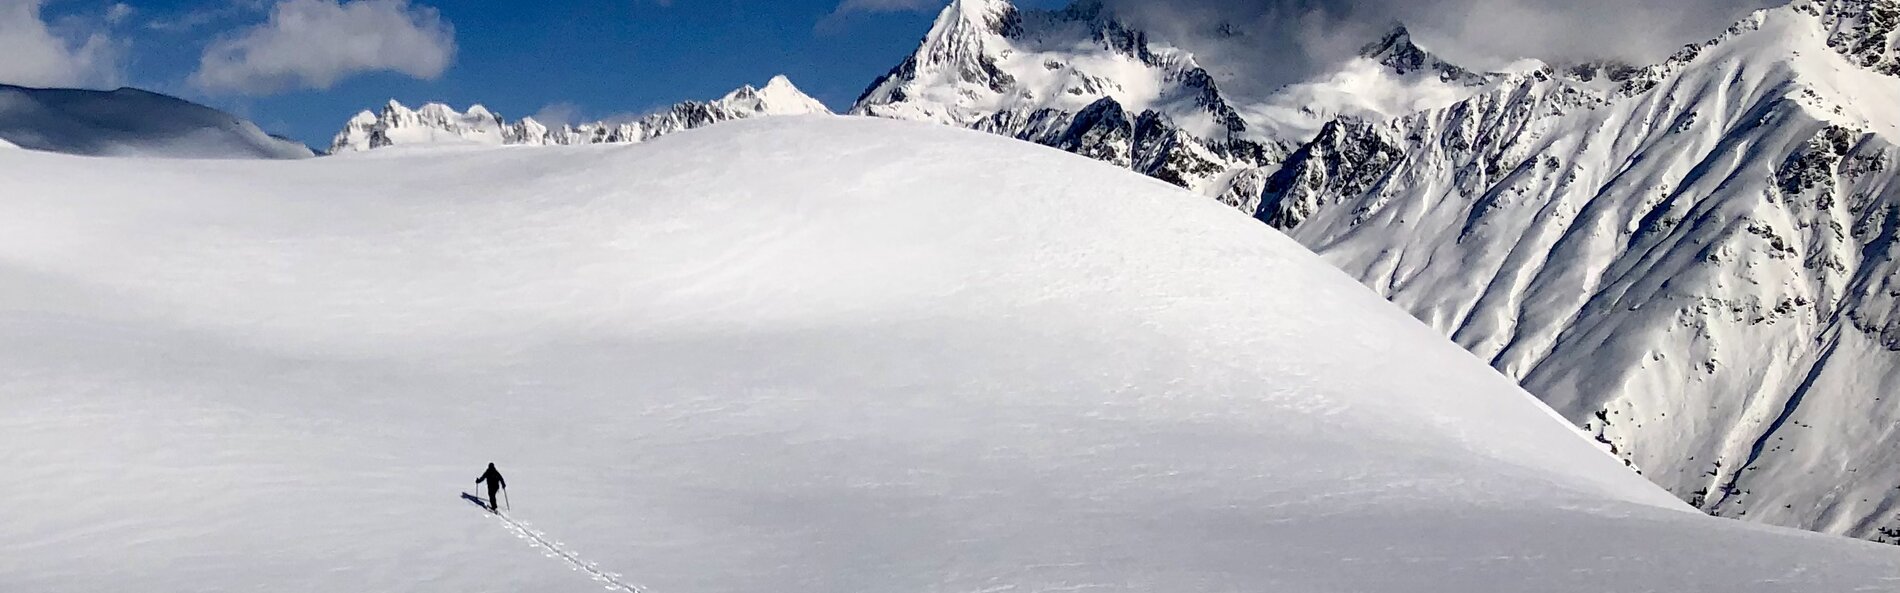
553,549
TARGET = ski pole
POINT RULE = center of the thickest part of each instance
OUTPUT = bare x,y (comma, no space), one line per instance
504,499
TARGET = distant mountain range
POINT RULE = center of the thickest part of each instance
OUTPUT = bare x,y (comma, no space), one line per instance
436,123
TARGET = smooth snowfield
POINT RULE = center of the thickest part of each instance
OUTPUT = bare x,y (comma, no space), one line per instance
793,354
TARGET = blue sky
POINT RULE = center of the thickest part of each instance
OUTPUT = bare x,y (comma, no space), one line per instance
301,67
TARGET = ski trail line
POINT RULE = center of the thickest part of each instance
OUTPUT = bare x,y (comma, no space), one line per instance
554,549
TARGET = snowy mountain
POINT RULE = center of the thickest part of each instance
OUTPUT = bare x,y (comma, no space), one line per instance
1076,79
1695,259
1083,80
438,124
130,122
813,353
1689,259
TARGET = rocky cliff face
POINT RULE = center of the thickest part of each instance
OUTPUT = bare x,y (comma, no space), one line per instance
1866,32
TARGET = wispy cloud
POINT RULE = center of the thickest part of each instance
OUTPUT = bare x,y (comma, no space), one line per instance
313,44
117,13
838,18
558,114
1277,41
217,13
1273,42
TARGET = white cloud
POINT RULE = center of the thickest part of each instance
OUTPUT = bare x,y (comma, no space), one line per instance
316,43
558,114
199,17
32,54
117,13
835,22
1284,41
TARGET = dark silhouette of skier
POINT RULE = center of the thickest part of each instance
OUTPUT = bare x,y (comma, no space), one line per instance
494,483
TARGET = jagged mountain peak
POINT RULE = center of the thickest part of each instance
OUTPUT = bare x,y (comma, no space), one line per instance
962,27
778,97
982,58
1398,51
956,51
1397,39
433,109
994,16
782,82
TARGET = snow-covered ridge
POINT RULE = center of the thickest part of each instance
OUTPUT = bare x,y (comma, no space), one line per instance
823,354
1557,183
130,122
1082,80
1391,77
1694,261
439,124
1076,78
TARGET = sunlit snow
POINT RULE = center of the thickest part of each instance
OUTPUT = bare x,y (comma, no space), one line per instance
811,354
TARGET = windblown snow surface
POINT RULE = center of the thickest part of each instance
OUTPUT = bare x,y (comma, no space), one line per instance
793,354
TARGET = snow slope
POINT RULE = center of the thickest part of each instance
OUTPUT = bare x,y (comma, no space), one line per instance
436,124
130,122
1690,259
810,354
1694,259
